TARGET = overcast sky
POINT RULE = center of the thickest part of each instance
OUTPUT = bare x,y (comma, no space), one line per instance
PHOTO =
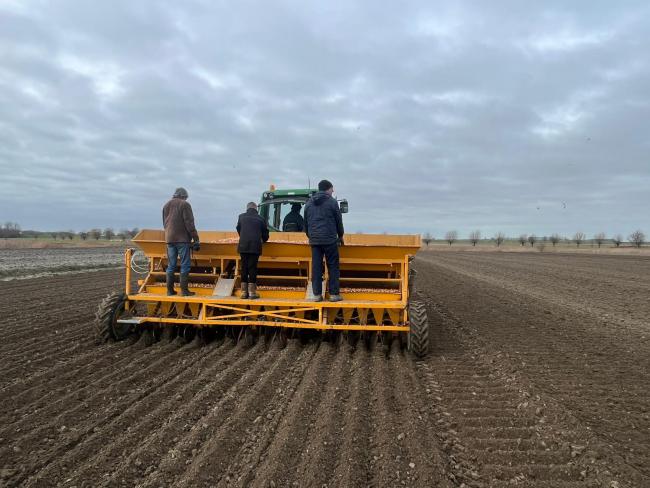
427,116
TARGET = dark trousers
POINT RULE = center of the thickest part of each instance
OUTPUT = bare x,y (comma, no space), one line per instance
249,267
331,254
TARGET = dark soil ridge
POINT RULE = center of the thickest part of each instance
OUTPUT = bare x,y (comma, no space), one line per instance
596,453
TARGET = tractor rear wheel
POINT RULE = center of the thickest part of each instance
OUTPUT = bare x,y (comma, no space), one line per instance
418,336
112,308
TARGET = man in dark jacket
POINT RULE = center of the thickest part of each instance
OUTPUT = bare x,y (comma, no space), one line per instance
253,232
324,227
293,222
180,231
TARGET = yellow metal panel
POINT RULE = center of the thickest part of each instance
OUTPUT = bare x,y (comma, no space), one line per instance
216,244
294,325
394,315
333,312
379,315
363,316
347,314
194,308
352,303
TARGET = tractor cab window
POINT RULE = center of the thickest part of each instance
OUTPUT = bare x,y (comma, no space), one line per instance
292,218
285,216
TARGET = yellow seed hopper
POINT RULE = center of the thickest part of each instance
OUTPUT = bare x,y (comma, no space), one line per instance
374,285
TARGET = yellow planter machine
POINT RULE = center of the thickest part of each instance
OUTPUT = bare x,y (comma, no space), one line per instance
376,286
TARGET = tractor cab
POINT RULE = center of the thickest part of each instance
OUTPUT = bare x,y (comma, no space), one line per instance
284,210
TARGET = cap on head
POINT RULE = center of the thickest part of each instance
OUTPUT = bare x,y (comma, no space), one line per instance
324,185
296,207
251,205
181,193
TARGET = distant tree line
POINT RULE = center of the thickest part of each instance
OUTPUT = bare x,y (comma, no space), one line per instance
636,239
12,230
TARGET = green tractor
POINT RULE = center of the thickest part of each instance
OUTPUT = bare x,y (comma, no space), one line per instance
279,208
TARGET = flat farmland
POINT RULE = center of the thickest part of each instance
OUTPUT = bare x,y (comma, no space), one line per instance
538,376
26,263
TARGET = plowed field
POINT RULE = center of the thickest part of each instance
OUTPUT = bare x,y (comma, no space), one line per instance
538,377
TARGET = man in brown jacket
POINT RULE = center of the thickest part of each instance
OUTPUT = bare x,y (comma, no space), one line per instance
180,231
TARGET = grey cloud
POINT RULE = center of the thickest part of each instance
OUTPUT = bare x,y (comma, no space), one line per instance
471,115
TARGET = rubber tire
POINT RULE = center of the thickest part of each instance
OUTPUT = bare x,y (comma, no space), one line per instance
418,336
413,274
108,312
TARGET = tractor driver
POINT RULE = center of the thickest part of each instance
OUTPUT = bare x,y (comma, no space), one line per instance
293,221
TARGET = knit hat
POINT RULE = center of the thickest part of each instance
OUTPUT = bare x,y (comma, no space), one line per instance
180,193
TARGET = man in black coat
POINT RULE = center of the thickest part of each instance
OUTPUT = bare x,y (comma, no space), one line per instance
253,232
324,227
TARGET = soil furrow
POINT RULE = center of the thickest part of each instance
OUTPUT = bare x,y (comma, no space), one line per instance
59,404
322,452
286,452
140,417
353,467
65,430
144,458
259,437
201,456
35,391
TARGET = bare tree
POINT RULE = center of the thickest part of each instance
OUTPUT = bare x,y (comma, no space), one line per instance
522,239
600,238
451,236
617,240
109,233
123,234
134,232
499,237
9,230
579,238
474,237
83,235
637,238
95,234
554,239
427,239
532,239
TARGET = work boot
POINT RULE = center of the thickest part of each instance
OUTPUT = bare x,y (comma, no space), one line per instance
184,289
252,291
244,290
336,298
316,298
170,284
